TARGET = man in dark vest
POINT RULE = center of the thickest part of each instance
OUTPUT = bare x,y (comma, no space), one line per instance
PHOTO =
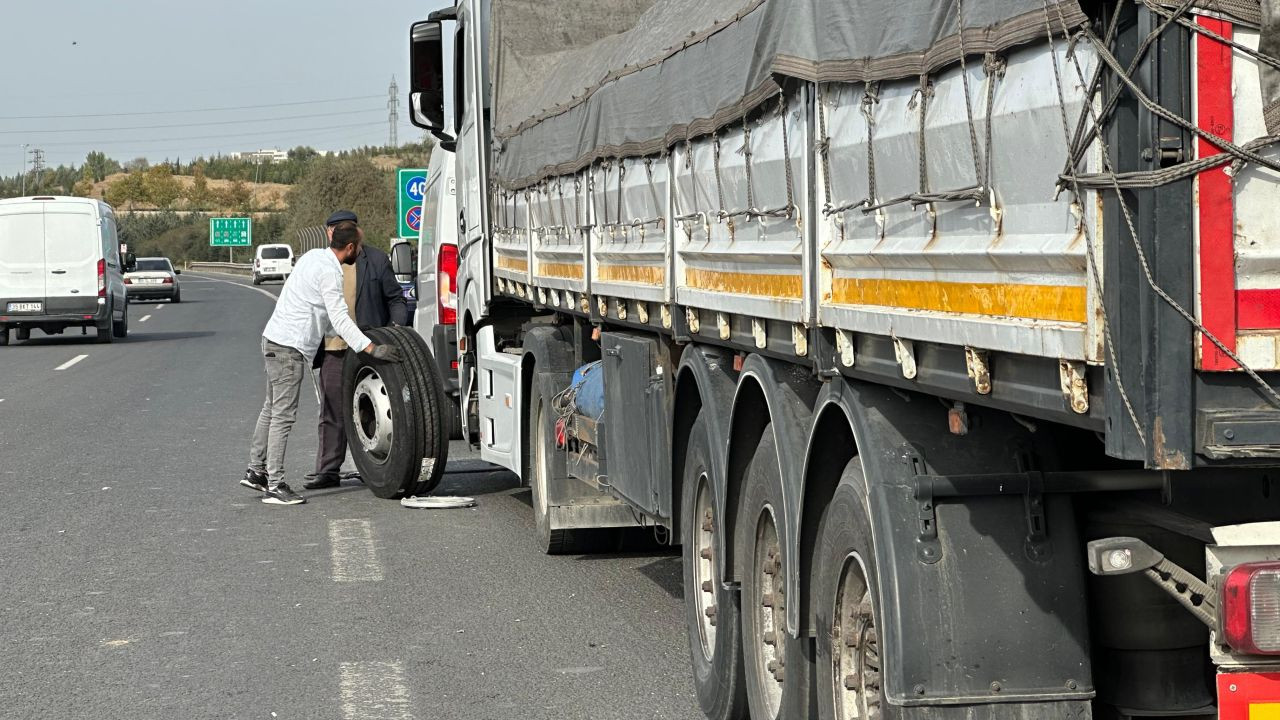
375,299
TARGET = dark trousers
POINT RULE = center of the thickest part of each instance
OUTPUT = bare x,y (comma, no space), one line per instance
333,438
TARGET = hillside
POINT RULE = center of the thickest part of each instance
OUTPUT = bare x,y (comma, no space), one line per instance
266,196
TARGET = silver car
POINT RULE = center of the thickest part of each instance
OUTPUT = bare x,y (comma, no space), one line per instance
152,278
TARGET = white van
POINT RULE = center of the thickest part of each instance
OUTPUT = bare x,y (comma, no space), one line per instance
272,262
60,267
437,310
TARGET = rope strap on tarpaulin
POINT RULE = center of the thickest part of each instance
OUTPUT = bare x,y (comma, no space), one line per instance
1089,133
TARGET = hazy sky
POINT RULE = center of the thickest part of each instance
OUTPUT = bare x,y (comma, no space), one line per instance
100,58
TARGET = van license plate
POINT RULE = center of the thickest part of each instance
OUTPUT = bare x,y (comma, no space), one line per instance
26,307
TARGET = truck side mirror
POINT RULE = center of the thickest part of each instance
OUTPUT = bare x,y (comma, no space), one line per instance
426,78
402,261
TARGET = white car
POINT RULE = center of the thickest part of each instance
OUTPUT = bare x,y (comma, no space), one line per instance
153,278
60,267
272,262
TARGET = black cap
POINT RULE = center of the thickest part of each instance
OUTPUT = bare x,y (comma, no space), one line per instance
341,216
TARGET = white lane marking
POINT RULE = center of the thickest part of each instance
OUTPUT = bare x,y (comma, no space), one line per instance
144,318
375,691
246,287
355,559
71,362
159,306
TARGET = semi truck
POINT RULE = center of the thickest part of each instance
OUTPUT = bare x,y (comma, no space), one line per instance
942,336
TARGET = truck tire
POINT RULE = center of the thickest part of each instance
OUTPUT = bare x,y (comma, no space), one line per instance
546,463
455,419
778,666
430,389
120,328
393,422
257,279
843,600
712,612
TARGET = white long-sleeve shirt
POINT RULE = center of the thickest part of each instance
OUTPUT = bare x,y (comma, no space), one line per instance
311,305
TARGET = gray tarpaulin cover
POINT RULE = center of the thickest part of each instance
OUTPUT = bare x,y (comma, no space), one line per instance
575,80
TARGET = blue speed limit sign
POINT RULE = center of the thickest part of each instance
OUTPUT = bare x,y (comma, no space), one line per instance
414,187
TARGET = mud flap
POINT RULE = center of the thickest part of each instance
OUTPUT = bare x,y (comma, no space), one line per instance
982,597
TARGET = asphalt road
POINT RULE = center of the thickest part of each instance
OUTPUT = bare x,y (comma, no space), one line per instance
138,580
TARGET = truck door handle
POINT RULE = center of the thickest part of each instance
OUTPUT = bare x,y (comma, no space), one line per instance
59,272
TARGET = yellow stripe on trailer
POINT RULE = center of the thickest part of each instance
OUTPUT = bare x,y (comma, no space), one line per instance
639,274
513,264
781,287
563,271
1264,711
1061,303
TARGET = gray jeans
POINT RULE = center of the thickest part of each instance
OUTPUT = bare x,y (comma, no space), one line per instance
285,370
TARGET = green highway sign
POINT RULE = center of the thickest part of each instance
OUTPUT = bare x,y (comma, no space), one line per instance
412,184
231,232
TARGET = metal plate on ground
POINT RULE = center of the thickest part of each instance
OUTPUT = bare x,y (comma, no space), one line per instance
437,502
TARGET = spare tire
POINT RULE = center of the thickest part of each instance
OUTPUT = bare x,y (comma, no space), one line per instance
394,420
435,407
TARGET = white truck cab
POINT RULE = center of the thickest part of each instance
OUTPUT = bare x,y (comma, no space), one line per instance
60,267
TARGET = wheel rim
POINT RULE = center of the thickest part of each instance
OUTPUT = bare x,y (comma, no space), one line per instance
540,461
855,651
770,608
705,572
371,410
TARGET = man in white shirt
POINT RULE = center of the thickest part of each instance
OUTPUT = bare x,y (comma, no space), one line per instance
311,305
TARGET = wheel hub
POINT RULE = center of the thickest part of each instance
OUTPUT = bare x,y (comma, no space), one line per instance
771,607
371,410
855,651
705,572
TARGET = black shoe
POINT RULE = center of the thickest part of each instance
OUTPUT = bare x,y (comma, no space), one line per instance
254,480
352,475
282,495
322,482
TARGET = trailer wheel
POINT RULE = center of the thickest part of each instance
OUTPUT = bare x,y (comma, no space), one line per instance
394,423
712,611
848,664
546,465
777,665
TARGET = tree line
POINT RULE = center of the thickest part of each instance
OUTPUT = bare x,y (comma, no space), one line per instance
180,228
98,166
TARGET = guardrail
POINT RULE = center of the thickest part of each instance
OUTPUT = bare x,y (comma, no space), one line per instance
225,267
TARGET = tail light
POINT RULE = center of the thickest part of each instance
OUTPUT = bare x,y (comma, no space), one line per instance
127,281
102,278
447,284
1251,608
168,281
